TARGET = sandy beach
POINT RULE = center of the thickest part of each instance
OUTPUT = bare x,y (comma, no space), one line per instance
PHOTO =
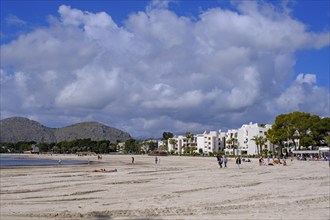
177,188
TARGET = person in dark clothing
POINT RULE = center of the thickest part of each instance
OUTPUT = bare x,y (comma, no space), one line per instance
220,160
238,161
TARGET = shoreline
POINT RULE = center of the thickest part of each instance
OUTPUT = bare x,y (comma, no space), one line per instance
24,161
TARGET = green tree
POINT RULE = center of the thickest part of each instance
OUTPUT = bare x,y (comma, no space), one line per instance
327,139
166,136
189,141
151,145
132,146
320,130
288,128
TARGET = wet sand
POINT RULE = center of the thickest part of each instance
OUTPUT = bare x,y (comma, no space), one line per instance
177,188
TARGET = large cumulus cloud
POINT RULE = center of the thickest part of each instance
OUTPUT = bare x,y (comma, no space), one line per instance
161,71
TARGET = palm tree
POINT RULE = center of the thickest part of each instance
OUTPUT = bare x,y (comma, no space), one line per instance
232,143
193,147
260,141
173,142
189,140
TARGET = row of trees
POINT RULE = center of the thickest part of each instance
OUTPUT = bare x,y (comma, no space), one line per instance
75,146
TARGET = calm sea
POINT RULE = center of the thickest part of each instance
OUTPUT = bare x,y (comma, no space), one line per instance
11,160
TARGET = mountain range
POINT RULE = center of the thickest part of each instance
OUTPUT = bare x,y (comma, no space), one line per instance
17,129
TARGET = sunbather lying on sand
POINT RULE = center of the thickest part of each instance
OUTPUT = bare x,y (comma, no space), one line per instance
105,171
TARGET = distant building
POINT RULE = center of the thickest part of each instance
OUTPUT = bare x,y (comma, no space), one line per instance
120,147
240,140
160,143
177,148
35,149
210,142
233,142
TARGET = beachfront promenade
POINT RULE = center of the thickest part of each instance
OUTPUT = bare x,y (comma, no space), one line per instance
175,188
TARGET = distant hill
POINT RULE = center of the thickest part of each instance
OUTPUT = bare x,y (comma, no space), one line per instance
23,129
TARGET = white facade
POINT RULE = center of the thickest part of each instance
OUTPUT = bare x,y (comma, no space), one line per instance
160,143
235,141
246,133
176,148
230,147
212,141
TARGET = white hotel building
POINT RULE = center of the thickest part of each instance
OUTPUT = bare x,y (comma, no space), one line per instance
213,141
217,141
246,146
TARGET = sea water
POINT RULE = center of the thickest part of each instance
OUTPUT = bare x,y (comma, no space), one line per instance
12,160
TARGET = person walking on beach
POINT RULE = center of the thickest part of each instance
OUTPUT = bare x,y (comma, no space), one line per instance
59,162
156,160
132,159
225,160
238,161
220,161
261,161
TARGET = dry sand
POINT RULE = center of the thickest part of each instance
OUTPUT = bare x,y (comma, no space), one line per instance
177,188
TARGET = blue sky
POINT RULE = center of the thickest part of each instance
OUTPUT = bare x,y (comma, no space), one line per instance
153,66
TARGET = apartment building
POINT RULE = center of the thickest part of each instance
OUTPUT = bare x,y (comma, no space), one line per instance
176,144
233,142
245,134
212,141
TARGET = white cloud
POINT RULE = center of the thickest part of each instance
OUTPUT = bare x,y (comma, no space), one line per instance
306,78
14,20
304,94
160,71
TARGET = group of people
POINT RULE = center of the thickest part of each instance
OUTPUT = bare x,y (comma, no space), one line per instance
271,163
224,160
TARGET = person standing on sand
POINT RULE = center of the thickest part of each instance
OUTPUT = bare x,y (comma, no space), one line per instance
238,161
132,159
156,160
59,162
220,161
261,161
225,160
